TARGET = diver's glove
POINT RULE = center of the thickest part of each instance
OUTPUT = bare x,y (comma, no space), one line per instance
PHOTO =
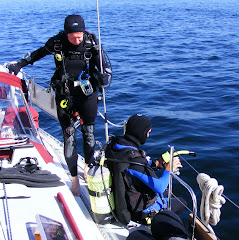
157,164
103,78
15,67
162,162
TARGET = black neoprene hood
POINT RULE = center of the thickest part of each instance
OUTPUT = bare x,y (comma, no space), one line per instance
74,23
138,126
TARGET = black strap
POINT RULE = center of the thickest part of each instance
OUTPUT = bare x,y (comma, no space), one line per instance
129,162
99,194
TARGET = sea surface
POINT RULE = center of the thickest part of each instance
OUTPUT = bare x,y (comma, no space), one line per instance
176,61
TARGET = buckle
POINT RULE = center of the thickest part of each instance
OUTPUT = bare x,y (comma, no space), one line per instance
87,55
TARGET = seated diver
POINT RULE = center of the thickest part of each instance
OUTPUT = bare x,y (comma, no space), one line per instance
139,193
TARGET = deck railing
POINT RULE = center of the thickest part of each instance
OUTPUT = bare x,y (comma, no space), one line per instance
190,190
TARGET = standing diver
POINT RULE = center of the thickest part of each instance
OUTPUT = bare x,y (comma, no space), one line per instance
75,81
138,192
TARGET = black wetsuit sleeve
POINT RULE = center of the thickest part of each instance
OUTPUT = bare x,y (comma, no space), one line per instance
96,57
104,62
43,51
38,54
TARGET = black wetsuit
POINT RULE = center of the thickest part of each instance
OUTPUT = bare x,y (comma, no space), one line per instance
72,63
138,191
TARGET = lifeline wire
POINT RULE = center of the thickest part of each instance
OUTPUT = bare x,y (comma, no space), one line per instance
6,212
3,233
236,205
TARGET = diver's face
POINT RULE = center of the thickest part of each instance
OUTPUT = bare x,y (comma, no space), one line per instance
75,38
149,132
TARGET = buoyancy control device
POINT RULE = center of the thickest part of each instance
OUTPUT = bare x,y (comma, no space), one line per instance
63,54
100,190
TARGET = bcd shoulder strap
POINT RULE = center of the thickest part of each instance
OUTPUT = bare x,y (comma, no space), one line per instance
128,153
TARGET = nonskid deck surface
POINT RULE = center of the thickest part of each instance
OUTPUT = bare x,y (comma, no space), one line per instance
21,204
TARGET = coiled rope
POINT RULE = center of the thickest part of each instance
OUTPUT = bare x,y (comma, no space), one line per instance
212,200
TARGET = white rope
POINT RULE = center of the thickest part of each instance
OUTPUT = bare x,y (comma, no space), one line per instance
113,124
212,200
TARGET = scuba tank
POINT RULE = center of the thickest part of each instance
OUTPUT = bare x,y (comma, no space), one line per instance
100,189
101,195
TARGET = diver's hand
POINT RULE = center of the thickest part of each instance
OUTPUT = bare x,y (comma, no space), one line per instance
160,163
102,78
176,164
14,68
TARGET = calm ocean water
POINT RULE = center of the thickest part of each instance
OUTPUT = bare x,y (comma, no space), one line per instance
174,60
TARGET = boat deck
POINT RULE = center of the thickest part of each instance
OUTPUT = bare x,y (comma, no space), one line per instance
107,231
24,203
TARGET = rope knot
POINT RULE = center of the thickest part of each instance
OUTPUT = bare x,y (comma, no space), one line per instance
212,199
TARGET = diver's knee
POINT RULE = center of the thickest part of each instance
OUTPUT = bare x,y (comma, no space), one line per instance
69,145
88,134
